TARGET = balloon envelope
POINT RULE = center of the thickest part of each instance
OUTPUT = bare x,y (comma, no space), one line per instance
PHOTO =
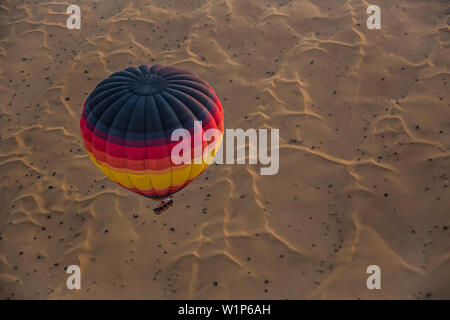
128,120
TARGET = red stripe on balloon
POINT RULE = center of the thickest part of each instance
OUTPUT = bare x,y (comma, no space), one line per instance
137,153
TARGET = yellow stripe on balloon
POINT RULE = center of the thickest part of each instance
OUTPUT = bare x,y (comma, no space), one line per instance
145,181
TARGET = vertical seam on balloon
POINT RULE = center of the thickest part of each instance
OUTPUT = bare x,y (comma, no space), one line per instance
150,176
147,174
195,119
156,107
167,145
125,146
179,121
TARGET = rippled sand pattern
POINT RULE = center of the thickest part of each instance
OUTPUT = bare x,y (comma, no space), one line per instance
364,119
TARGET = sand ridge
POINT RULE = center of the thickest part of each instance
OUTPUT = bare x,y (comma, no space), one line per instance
364,152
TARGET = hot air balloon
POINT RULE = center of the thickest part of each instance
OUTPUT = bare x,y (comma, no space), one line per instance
127,124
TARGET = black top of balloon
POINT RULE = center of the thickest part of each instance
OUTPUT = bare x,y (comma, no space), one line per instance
149,102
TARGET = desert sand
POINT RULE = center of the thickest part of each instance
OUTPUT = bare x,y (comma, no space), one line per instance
364,119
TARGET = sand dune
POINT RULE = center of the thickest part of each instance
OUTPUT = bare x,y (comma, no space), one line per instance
364,123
